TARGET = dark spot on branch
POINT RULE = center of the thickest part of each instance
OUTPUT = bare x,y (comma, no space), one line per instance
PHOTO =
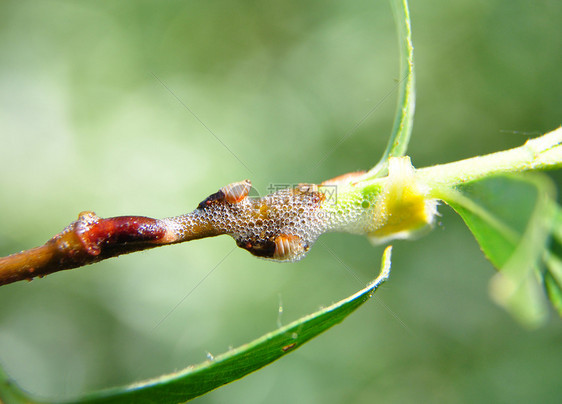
259,247
96,233
217,197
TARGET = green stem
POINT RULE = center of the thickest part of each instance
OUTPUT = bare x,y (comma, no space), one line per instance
543,153
404,201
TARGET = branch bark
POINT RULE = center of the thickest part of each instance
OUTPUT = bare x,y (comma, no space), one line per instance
88,240
263,226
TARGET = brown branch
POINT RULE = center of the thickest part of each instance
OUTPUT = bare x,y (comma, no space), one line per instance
262,226
88,240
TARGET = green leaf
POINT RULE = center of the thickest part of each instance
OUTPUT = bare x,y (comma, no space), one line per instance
553,263
404,116
230,366
511,217
554,289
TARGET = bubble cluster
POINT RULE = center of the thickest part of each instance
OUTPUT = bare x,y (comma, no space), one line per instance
354,215
280,226
283,225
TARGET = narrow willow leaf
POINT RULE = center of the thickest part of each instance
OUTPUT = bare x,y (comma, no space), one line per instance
404,116
199,379
511,218
553,263
554,288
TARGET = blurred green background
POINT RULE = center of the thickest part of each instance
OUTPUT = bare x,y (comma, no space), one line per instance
85,124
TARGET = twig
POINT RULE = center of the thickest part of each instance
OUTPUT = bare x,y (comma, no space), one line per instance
88,240
260,226
284,225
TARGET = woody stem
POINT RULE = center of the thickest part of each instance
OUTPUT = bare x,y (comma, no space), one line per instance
91,239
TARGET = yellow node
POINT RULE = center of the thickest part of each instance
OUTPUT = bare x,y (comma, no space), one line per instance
403,208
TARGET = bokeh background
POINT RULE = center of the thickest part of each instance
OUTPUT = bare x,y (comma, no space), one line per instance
94,99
